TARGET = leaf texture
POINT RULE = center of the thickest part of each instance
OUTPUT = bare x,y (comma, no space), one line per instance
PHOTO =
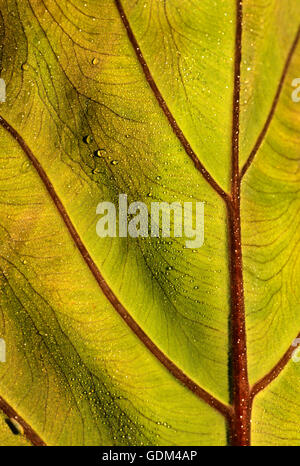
123,341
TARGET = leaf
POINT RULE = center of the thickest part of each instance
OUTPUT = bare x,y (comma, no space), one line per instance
123,341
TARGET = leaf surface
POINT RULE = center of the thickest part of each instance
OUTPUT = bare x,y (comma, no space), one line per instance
127,341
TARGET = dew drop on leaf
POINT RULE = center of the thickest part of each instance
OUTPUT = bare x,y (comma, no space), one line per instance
15,426
88,139
99,152
25,166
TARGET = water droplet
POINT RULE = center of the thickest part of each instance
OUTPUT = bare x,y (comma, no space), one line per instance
25,166
88,139
114,162
99,152
25,67
95,61
15,426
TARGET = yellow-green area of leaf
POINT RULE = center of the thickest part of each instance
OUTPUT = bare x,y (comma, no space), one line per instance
123,341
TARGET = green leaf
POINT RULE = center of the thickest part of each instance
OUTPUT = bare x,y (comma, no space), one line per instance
123,341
